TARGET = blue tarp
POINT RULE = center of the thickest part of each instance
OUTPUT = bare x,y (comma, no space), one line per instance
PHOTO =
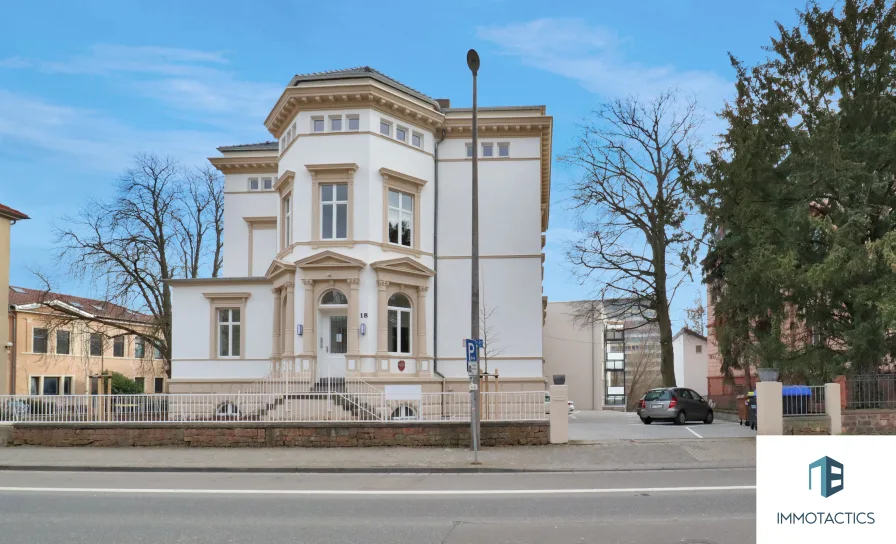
796,391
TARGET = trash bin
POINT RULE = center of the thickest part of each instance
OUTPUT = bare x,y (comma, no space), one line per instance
743,411
796,399
751,410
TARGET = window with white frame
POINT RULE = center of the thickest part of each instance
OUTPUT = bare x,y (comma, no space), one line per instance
293,132
51,385
488,150
287,220
96,344
399,310
38,340
317,124
401,133
254,184
267,183
63,342
118,346
401,218
335,123
354,122
469,151
228,332
385,128
504,149
417,140
333,211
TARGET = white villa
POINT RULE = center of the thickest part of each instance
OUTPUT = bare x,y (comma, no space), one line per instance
347,244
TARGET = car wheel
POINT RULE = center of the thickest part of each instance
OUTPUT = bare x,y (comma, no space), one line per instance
709,417
646,420
681,418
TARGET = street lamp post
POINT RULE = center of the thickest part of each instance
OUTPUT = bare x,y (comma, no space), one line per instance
473,63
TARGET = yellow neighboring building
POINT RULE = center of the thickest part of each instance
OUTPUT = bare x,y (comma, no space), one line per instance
8,217
57,347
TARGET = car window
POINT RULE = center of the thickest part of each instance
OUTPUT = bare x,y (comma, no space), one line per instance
685,394
695,395
658,394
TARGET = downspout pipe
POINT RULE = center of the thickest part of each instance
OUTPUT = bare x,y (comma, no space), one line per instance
435,263
11,388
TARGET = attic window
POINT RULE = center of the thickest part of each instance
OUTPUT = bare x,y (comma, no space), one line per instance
18,289
99,307
76,304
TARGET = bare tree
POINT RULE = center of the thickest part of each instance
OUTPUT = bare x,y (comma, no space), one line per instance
639,245
696,316
165,222
642,368
491,341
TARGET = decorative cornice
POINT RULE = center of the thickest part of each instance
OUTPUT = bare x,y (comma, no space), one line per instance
387,173
219,295
297,99
329,259
317,170
285,180
245,165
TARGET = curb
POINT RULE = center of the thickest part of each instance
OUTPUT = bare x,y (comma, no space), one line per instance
355,470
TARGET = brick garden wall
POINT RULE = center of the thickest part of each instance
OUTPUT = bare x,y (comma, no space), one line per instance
807,425
869,422
316,435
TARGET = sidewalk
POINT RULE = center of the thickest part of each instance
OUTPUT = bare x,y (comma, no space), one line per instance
593,457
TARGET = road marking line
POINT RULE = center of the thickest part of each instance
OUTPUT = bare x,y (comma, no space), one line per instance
694,432
375,492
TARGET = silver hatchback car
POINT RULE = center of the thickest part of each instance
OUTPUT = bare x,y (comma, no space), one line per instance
676,404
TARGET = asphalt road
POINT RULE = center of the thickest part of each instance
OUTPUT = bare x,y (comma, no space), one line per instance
600,425
655,507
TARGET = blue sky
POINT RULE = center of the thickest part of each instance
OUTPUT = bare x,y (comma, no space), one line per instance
86,85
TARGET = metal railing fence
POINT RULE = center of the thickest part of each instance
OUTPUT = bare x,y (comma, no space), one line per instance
865,391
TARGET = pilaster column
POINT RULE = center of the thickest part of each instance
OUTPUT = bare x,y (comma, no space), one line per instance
354,318
290,319
275,349
309,335
421,321
382,318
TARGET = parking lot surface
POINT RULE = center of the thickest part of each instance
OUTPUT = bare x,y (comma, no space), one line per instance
609,425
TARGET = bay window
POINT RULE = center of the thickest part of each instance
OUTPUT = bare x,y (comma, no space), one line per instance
401,218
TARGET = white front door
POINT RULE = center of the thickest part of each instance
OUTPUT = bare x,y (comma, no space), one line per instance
332,344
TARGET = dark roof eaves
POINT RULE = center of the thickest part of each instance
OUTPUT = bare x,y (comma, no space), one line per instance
363,72
260,146
685,330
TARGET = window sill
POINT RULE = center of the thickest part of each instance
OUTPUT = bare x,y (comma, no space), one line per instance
389,246
332,243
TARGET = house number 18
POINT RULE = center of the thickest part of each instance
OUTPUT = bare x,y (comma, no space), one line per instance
363,315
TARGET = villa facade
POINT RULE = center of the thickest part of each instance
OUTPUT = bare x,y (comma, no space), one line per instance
348,244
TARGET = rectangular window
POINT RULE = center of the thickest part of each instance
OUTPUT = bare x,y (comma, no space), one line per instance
293,131
139,347
615,378
159,385
282,143
267,183
51,385
334,211
38,340
386,128
140,383
503,150
63,342
229,332
401,133
417,140
118,346
253,184
699,348
336,123
488,150
156,354
35,385
317,124
96,344
401,218
354,122
399,330
67,385
469,151
287,220
614,348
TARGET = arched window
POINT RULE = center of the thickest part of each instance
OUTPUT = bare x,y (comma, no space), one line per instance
399,324
227,410
404,412
333,298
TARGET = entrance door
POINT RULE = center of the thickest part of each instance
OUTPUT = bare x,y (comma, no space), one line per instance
332,344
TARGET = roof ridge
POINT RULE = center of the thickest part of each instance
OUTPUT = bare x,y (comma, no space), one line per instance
361,71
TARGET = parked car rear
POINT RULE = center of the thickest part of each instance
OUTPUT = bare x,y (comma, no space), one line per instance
677,404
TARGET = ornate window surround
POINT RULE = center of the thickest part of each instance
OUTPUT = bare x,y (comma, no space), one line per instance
402,183
219,301
342,173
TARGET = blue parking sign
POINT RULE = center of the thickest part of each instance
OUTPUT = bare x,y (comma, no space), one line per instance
472,350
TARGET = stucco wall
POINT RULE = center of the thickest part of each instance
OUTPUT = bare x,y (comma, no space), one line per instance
576,352
690,367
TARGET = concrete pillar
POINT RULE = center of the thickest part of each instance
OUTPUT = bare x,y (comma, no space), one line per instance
832,407
354,319
289,330
421,321
770,409
275,347
382,318
309,337
559,414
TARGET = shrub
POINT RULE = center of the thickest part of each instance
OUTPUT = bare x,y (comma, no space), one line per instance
122,385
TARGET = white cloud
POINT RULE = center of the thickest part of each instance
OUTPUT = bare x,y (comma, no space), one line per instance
595,57
194,82
89,138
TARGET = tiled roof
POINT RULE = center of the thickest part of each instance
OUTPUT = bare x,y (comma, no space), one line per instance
361,72
6,211
21,296
260,146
